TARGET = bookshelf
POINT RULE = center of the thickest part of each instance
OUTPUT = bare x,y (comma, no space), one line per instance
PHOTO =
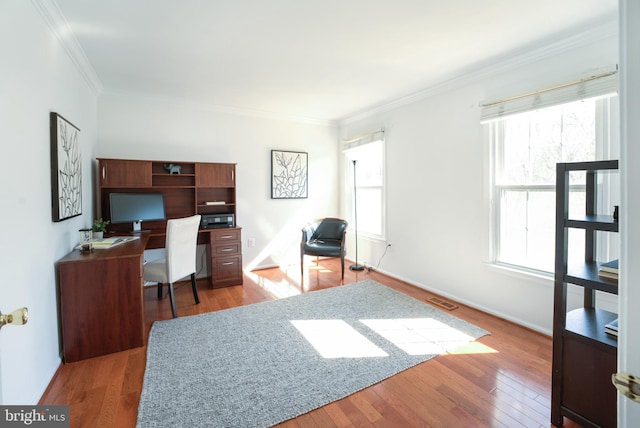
584,356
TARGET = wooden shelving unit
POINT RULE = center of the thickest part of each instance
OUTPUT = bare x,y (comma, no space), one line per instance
584,356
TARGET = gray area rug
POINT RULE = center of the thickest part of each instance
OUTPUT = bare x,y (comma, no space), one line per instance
261,364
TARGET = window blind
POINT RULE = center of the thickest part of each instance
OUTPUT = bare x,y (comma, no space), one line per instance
603,85
360,140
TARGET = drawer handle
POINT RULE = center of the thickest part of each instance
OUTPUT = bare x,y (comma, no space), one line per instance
228,249
226,237
228,263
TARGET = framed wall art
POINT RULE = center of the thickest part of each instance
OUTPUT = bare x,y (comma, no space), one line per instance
289,179
66,169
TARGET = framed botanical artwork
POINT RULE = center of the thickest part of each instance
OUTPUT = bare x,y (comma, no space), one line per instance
66,169
289,179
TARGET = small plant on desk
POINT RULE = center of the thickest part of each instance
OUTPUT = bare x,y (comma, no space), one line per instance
99,227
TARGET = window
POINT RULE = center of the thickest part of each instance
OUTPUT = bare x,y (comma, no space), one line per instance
369,179
525,148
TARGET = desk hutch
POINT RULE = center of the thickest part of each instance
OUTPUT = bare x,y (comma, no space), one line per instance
200,188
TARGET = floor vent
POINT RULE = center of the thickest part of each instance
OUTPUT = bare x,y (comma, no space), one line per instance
442,303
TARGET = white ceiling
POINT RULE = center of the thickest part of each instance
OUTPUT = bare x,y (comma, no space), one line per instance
317,59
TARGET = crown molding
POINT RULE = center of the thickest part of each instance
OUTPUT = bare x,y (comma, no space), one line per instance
195,104
496,65
58,24
263,114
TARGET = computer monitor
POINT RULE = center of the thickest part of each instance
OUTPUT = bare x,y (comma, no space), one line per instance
136,208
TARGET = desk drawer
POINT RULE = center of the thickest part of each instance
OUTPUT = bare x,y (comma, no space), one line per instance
228,249
226,271
224,235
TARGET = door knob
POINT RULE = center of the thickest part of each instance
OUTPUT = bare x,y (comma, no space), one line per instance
628,384
17,317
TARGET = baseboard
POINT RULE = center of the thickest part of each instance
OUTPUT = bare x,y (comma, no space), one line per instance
457,299
45,388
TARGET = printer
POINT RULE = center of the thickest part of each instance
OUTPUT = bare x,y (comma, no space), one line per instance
213,221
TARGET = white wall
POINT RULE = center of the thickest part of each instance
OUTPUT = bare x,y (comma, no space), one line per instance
436,172
36,77
134,127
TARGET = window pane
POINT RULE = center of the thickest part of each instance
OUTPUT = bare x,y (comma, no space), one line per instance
513,236
535,141
369,166
541,221
370,211
527,228
370,186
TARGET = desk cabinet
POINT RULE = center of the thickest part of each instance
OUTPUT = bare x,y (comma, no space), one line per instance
101,300
226,258
125,173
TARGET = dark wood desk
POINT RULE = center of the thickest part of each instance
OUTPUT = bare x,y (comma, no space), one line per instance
101,300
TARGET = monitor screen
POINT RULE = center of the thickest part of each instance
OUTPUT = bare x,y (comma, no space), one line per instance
136,208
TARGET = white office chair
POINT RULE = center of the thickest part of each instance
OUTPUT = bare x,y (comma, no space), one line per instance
180,259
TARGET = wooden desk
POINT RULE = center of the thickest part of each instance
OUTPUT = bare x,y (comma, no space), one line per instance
101,300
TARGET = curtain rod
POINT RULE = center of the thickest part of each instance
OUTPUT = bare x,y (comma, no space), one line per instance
358,137
553,88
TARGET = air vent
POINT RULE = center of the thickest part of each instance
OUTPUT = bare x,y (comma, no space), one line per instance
442,303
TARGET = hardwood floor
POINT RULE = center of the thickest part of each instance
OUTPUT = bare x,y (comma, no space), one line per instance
503,380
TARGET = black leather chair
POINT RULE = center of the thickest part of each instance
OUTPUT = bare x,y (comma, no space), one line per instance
324,237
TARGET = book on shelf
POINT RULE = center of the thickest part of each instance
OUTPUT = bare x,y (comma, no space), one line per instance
611,266
612,328
609,270
608,275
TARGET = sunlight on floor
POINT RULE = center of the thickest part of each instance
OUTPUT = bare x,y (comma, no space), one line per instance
337,339
290,285
415,336
279,289
473,348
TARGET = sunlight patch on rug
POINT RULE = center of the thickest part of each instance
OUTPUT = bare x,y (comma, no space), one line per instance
419,336
337,339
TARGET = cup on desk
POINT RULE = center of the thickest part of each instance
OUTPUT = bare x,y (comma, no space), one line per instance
86,237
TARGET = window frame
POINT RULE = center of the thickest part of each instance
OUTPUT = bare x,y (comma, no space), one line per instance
349,187
606,139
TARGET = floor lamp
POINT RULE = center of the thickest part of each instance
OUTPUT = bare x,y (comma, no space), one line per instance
355,266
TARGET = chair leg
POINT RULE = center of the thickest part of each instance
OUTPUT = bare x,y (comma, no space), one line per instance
301,266
173,301
159,291
195,288
342,266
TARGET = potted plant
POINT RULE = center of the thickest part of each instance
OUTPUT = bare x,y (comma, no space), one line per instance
99,227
